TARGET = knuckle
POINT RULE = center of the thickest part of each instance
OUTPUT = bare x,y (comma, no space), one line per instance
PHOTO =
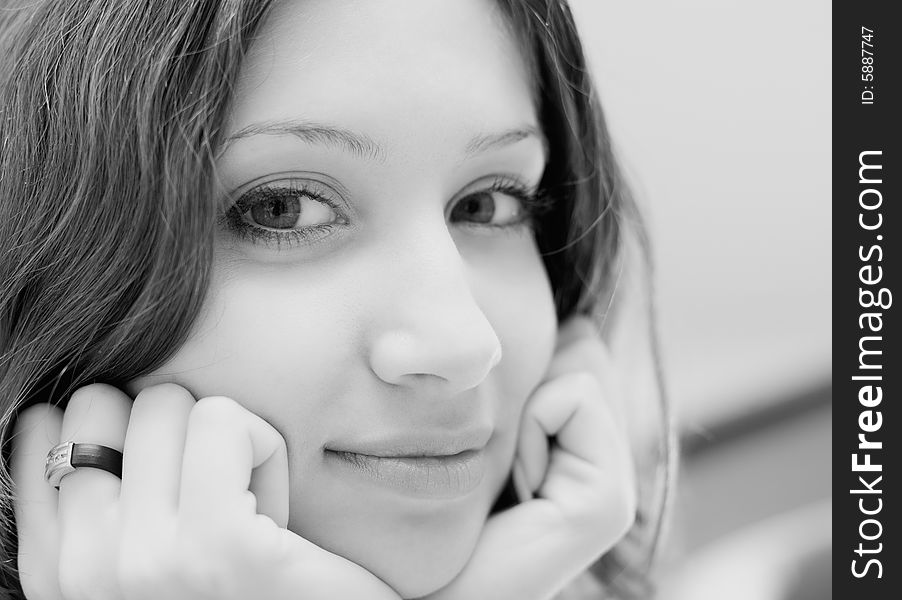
167,393
86,396
212,412
214,408
35,415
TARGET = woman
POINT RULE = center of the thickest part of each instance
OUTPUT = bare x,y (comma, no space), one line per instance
316,269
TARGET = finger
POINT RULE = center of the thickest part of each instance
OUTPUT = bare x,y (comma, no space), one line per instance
96,414
531,461
37,431
571,408
229,451
522,486
154,448
88,497
269,485
581,349
590,447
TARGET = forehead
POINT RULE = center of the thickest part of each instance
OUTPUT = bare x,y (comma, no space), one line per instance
386,67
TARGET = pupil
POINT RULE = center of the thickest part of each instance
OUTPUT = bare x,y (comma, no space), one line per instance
478,208
277,213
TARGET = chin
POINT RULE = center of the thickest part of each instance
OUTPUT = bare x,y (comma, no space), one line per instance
420,565
415,552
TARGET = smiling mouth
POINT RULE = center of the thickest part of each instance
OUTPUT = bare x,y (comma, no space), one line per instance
420,475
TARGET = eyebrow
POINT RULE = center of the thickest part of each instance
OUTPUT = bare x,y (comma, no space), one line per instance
313,133
364,146
484,143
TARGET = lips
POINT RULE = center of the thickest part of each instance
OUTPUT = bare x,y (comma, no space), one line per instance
427,466
423,443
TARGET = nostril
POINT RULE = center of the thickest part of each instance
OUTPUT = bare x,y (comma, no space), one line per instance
425,383
425,377
451,359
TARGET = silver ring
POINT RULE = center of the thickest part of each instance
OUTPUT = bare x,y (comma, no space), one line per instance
65,458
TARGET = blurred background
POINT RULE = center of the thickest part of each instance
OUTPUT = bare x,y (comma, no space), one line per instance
721,111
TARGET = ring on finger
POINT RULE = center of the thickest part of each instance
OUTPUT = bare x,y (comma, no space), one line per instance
65,458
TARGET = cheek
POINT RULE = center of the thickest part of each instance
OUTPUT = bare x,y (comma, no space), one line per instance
514,292
270,342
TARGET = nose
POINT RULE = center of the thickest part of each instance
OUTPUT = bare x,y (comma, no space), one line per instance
431,332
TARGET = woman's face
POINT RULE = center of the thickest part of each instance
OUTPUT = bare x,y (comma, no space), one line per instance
377,293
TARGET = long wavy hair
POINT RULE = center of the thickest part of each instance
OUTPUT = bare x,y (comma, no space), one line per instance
110,116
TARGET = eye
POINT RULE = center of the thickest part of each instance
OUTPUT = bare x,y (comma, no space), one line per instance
499,206
281,209
285,212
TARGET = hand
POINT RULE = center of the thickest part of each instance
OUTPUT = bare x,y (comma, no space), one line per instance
200,512
580,490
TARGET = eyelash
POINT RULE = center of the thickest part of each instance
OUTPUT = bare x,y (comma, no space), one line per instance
535,202
309,234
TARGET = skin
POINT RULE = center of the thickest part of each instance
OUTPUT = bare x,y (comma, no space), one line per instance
402,320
